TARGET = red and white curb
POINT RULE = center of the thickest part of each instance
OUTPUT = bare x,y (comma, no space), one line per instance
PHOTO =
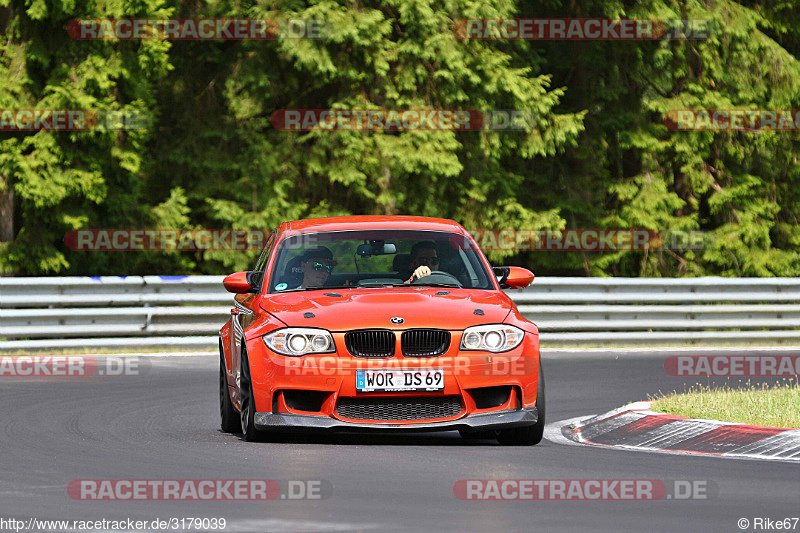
636,427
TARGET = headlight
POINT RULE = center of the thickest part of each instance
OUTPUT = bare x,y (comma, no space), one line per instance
491,338
300,341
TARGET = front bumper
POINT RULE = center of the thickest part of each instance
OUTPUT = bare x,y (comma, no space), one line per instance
287,422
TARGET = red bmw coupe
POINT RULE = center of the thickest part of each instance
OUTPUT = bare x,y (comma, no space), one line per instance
379,323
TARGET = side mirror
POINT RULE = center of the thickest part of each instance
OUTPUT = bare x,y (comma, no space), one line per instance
513,277
237,283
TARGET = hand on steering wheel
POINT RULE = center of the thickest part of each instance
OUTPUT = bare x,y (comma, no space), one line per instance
420,272
436,277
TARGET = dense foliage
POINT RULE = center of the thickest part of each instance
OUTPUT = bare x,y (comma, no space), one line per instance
599,154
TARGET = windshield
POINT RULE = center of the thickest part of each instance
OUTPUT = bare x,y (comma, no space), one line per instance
374,258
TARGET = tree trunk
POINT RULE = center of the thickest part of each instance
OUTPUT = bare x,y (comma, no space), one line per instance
7,213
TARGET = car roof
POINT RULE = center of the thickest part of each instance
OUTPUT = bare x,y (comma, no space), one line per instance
357,222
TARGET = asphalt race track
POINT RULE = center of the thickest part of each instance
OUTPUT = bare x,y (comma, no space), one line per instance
164,425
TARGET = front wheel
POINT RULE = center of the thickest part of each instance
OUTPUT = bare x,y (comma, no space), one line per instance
528,435
229,418
248,406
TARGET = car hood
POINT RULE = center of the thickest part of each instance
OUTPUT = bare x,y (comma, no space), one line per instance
420,307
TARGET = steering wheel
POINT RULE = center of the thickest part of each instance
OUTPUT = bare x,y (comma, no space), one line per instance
437,276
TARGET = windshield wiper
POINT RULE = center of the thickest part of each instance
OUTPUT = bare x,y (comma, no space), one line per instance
325,288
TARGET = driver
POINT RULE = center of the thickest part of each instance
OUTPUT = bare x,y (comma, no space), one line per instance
423,260
317,264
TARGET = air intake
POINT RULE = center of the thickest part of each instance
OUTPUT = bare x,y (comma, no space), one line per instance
419,408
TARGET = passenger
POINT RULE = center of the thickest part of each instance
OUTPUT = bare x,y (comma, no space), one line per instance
316,264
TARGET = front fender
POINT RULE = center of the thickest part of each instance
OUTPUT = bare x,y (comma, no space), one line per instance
225,344
261,368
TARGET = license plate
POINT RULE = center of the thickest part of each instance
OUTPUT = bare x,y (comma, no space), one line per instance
399,380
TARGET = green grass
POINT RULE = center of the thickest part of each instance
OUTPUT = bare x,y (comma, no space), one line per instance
775,405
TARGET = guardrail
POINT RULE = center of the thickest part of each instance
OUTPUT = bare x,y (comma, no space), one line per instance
185,312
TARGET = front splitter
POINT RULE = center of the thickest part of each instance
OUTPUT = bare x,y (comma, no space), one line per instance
287,422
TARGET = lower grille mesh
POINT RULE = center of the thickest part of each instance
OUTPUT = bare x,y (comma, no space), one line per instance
399,408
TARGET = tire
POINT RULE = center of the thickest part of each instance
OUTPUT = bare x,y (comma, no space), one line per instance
229,418
248,408
529,435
